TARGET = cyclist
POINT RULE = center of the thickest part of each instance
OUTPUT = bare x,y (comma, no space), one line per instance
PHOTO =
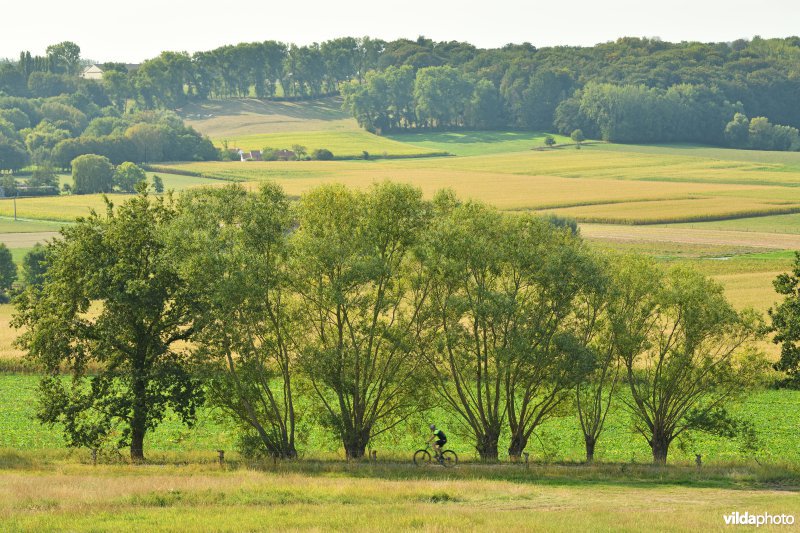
441,440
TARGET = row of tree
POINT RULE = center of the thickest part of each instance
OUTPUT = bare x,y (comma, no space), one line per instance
758,75
376,305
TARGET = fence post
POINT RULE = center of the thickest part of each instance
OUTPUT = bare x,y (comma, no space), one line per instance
527,455
94,456
221,454
698,460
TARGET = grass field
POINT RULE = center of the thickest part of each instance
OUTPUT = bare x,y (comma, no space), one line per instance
773,414
383,497
469,143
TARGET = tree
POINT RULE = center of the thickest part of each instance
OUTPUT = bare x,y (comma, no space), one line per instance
43,176
785,317
549,141
685,353
158,184
232,248
497,341
9,185
92,174
359,295
127,176
322,154
64,57
34,266
300,151
577,136
112,302
595,310
8,272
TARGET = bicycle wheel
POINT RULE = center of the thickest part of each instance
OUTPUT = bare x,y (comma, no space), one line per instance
449,458
422,457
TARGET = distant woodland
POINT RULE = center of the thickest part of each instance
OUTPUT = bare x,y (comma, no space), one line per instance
742,94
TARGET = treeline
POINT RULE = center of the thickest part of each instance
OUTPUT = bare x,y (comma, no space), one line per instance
630,90
51,132
370,307
49,116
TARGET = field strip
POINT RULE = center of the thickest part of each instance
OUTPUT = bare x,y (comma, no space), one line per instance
26,240
611,232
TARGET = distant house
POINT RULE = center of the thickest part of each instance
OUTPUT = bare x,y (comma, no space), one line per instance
253,155
95,72
284,155
92,72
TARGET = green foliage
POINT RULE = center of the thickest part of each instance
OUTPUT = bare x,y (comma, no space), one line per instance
34,266
128,176
113,301
322,154
8,272
158,184
231,246
549,141
686,351
92,174
352,270
786,323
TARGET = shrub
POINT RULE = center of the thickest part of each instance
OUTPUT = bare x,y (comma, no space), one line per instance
322,154
91,174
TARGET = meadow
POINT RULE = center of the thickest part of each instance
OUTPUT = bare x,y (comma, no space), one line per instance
49,497
732,214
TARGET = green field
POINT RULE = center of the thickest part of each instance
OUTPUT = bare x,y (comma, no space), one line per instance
773,414
344,144
469,143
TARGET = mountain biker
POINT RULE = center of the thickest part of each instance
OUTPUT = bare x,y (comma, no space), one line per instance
441,439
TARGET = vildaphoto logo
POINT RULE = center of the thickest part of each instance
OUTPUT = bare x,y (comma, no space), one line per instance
763,519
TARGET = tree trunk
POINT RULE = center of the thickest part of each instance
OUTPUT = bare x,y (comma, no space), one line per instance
517,446
660,445
590,441
139,418
355,444
487,446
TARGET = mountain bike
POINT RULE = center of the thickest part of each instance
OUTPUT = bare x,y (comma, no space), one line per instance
446,458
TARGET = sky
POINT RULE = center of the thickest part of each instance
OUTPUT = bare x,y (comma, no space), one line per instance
135,30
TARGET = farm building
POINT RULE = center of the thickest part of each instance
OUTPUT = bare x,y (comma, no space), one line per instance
95,72
252,155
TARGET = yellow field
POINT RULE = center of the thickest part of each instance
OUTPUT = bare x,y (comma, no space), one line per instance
229,119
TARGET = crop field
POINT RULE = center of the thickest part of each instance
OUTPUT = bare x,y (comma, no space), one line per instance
229,119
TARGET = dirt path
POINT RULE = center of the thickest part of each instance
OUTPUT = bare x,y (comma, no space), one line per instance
26,240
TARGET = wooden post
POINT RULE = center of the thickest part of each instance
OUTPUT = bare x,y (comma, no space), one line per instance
698,460
527,456
15,207
221,457
374,456
94,456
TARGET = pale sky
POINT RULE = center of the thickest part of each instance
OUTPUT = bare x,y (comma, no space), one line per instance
134,30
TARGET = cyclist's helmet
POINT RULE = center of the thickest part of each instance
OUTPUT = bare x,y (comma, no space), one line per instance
433,426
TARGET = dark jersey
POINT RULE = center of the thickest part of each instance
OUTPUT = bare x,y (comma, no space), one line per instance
440,435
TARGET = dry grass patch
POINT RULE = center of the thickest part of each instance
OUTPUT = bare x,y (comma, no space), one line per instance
180,499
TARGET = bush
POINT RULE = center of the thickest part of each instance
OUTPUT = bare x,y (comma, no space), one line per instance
8,272
127,176
322,154
91,174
